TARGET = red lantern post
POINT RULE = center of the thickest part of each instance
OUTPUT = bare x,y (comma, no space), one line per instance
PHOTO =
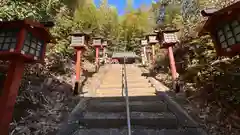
144,43
224,27
21,42
169,39
79,42
152,40
104,45
97,43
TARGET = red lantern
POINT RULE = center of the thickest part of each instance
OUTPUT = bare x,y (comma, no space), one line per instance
152,38
79,39
23,39
168,38
144,42
79,42
20,42
97,43
224,28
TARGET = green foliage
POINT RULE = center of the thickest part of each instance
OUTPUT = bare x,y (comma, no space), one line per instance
216,78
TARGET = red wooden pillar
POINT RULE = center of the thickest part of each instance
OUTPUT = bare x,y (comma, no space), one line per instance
153,54
97,57
79,51
97,43
144,44
9,94
78,64
172,63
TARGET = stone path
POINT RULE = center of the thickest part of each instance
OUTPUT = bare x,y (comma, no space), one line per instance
104,111
111,85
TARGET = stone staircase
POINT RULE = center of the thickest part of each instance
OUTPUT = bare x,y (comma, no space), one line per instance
111,85
105,112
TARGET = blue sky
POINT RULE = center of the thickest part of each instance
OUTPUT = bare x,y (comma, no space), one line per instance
121,4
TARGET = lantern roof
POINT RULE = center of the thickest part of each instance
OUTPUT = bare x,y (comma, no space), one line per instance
214,16
144,42
28,24
106,39
170,30
98,37
124,54
151,34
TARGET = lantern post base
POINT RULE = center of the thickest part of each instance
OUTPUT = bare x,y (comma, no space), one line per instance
77,88
9,94
96,68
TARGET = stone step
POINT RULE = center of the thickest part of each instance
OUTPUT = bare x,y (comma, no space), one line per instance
138,75
120,91
140,131
139,85
122,99
111,86
114,86
140,106
136,80
119,81
138,89
115,77
120,95
130,83
118,120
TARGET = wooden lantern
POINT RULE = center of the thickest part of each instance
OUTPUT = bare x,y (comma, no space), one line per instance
24,39
224,28
152,38
79,39
144,42
97,41
105,43
168,38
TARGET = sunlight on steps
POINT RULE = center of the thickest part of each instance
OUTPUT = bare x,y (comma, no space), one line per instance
111,85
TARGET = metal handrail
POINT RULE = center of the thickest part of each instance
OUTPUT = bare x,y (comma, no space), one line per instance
125,89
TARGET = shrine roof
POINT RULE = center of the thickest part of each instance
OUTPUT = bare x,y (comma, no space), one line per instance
124,54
